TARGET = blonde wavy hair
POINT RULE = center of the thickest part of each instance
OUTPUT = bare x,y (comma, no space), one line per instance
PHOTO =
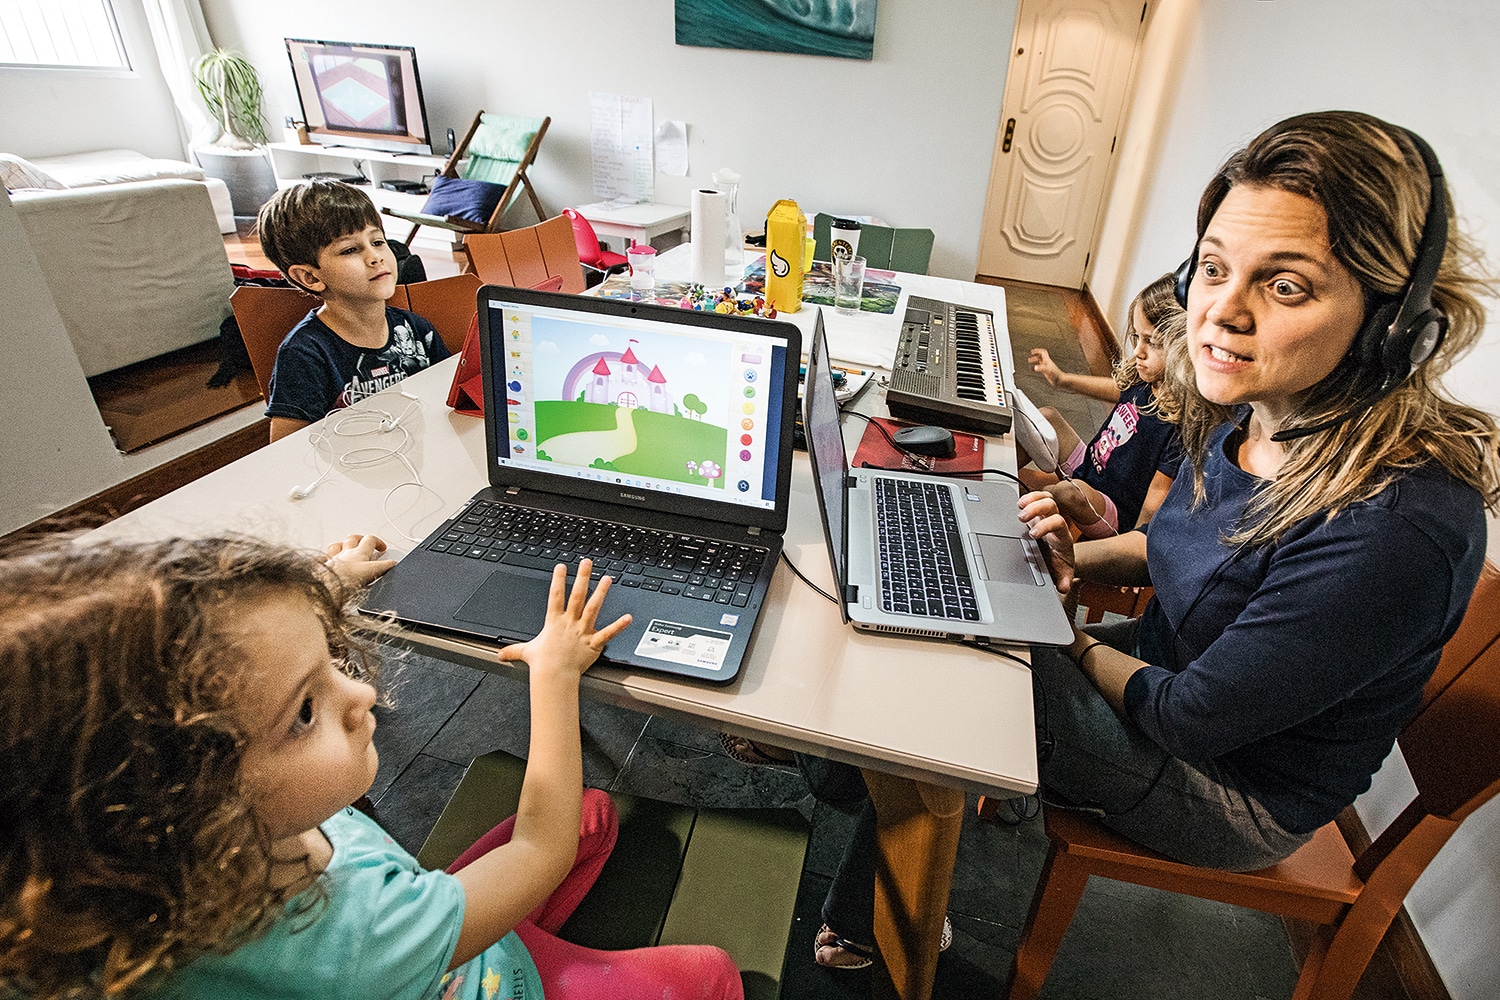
127,845
1373,184
1158,302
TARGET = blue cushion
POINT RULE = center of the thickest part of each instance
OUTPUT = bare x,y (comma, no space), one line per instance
466,199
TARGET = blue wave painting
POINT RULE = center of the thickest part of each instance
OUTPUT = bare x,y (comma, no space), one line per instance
844,28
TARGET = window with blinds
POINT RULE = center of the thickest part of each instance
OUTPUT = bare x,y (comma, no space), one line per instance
71,34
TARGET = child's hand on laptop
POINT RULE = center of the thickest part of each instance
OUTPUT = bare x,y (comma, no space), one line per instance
569,643
354,559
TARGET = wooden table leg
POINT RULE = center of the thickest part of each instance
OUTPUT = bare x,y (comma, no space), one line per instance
917,828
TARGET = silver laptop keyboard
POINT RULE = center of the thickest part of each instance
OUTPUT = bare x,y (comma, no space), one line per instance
923,570
705,569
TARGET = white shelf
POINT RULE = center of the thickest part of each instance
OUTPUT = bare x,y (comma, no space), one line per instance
290,160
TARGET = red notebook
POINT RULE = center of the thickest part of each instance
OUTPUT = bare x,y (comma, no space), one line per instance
876,451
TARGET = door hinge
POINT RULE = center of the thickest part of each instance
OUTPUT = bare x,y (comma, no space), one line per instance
1010,133
1143,9
1112,141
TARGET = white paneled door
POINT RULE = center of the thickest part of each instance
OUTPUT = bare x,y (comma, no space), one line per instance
1064,94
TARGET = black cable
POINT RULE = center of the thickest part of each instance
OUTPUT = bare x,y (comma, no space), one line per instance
984,647
793,567
920,460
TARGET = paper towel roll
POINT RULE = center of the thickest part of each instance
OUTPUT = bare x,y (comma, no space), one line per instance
708,237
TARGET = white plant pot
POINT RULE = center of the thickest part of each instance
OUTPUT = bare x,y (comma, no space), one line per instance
246,172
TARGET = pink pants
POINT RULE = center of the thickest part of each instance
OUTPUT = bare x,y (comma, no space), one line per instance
569,971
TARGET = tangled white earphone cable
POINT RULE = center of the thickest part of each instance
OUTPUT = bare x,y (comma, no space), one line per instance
361,423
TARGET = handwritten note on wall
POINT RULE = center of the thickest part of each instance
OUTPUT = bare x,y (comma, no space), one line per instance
620,133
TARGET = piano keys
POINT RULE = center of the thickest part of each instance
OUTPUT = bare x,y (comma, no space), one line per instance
947,369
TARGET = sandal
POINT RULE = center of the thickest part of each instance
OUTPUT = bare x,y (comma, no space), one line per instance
863,956
747,751
860,956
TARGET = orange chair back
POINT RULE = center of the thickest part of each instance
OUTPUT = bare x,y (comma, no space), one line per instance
265,316
447,303
1450,747
527,257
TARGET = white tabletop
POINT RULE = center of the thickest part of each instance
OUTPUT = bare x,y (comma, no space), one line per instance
647,213
925,710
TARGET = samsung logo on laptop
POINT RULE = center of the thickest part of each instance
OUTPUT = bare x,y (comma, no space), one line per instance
632,496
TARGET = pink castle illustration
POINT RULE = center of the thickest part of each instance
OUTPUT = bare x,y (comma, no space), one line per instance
625,384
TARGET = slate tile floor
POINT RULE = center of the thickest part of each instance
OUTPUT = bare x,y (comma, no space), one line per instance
1128,942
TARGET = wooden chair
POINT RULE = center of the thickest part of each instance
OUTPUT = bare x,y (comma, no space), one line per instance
1098,598
447,303
882,247
266,315
527,257
677,875
497,149
1451,751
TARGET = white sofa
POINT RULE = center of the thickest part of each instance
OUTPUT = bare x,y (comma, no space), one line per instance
137,268
122,166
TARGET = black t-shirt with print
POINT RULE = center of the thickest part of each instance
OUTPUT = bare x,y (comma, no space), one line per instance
318,371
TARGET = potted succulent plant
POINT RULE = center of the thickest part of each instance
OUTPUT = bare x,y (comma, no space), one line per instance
230,87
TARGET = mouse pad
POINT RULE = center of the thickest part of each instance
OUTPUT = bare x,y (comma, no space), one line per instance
875,451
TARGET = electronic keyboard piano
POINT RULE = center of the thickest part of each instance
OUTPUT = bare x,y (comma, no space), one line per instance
947,369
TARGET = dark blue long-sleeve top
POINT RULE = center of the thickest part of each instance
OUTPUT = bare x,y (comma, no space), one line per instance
1293,665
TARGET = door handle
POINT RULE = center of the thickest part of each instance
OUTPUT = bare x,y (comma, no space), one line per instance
1010,133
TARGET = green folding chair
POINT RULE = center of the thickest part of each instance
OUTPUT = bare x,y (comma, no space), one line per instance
494,155
882,247
677,875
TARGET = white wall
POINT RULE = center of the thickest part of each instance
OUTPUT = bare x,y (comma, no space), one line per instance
49,112
1242,66
913,147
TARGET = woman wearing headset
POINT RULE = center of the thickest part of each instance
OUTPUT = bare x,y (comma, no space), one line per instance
1327,540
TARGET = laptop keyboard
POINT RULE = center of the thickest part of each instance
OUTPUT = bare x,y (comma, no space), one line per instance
705,569
923,570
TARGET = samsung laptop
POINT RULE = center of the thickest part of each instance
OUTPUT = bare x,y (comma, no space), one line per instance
922,555
656,441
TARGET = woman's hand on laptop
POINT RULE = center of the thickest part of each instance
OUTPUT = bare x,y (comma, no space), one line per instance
354,560
1039,512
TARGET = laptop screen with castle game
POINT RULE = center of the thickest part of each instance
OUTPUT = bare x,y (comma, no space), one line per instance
638,402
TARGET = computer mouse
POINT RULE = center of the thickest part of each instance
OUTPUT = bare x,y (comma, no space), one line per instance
926,440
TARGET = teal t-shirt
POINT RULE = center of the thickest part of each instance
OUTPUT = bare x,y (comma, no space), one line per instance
387,928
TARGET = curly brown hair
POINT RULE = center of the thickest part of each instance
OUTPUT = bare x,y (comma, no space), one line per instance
126,843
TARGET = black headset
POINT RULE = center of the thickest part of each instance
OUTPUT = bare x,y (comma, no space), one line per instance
1401,332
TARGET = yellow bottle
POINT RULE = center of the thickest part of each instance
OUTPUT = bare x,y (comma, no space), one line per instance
786,234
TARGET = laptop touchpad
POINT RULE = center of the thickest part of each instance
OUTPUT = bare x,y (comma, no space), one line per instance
514,603
1005,560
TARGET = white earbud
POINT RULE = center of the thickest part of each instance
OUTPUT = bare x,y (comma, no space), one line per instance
390,423
301,492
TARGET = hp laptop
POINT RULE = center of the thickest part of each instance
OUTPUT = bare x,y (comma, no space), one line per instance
656,441
919,555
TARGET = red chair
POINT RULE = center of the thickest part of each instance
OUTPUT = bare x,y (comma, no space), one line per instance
591,253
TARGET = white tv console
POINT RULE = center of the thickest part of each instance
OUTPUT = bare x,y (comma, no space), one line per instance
290,160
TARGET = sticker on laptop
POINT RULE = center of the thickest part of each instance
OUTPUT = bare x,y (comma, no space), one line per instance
690,645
